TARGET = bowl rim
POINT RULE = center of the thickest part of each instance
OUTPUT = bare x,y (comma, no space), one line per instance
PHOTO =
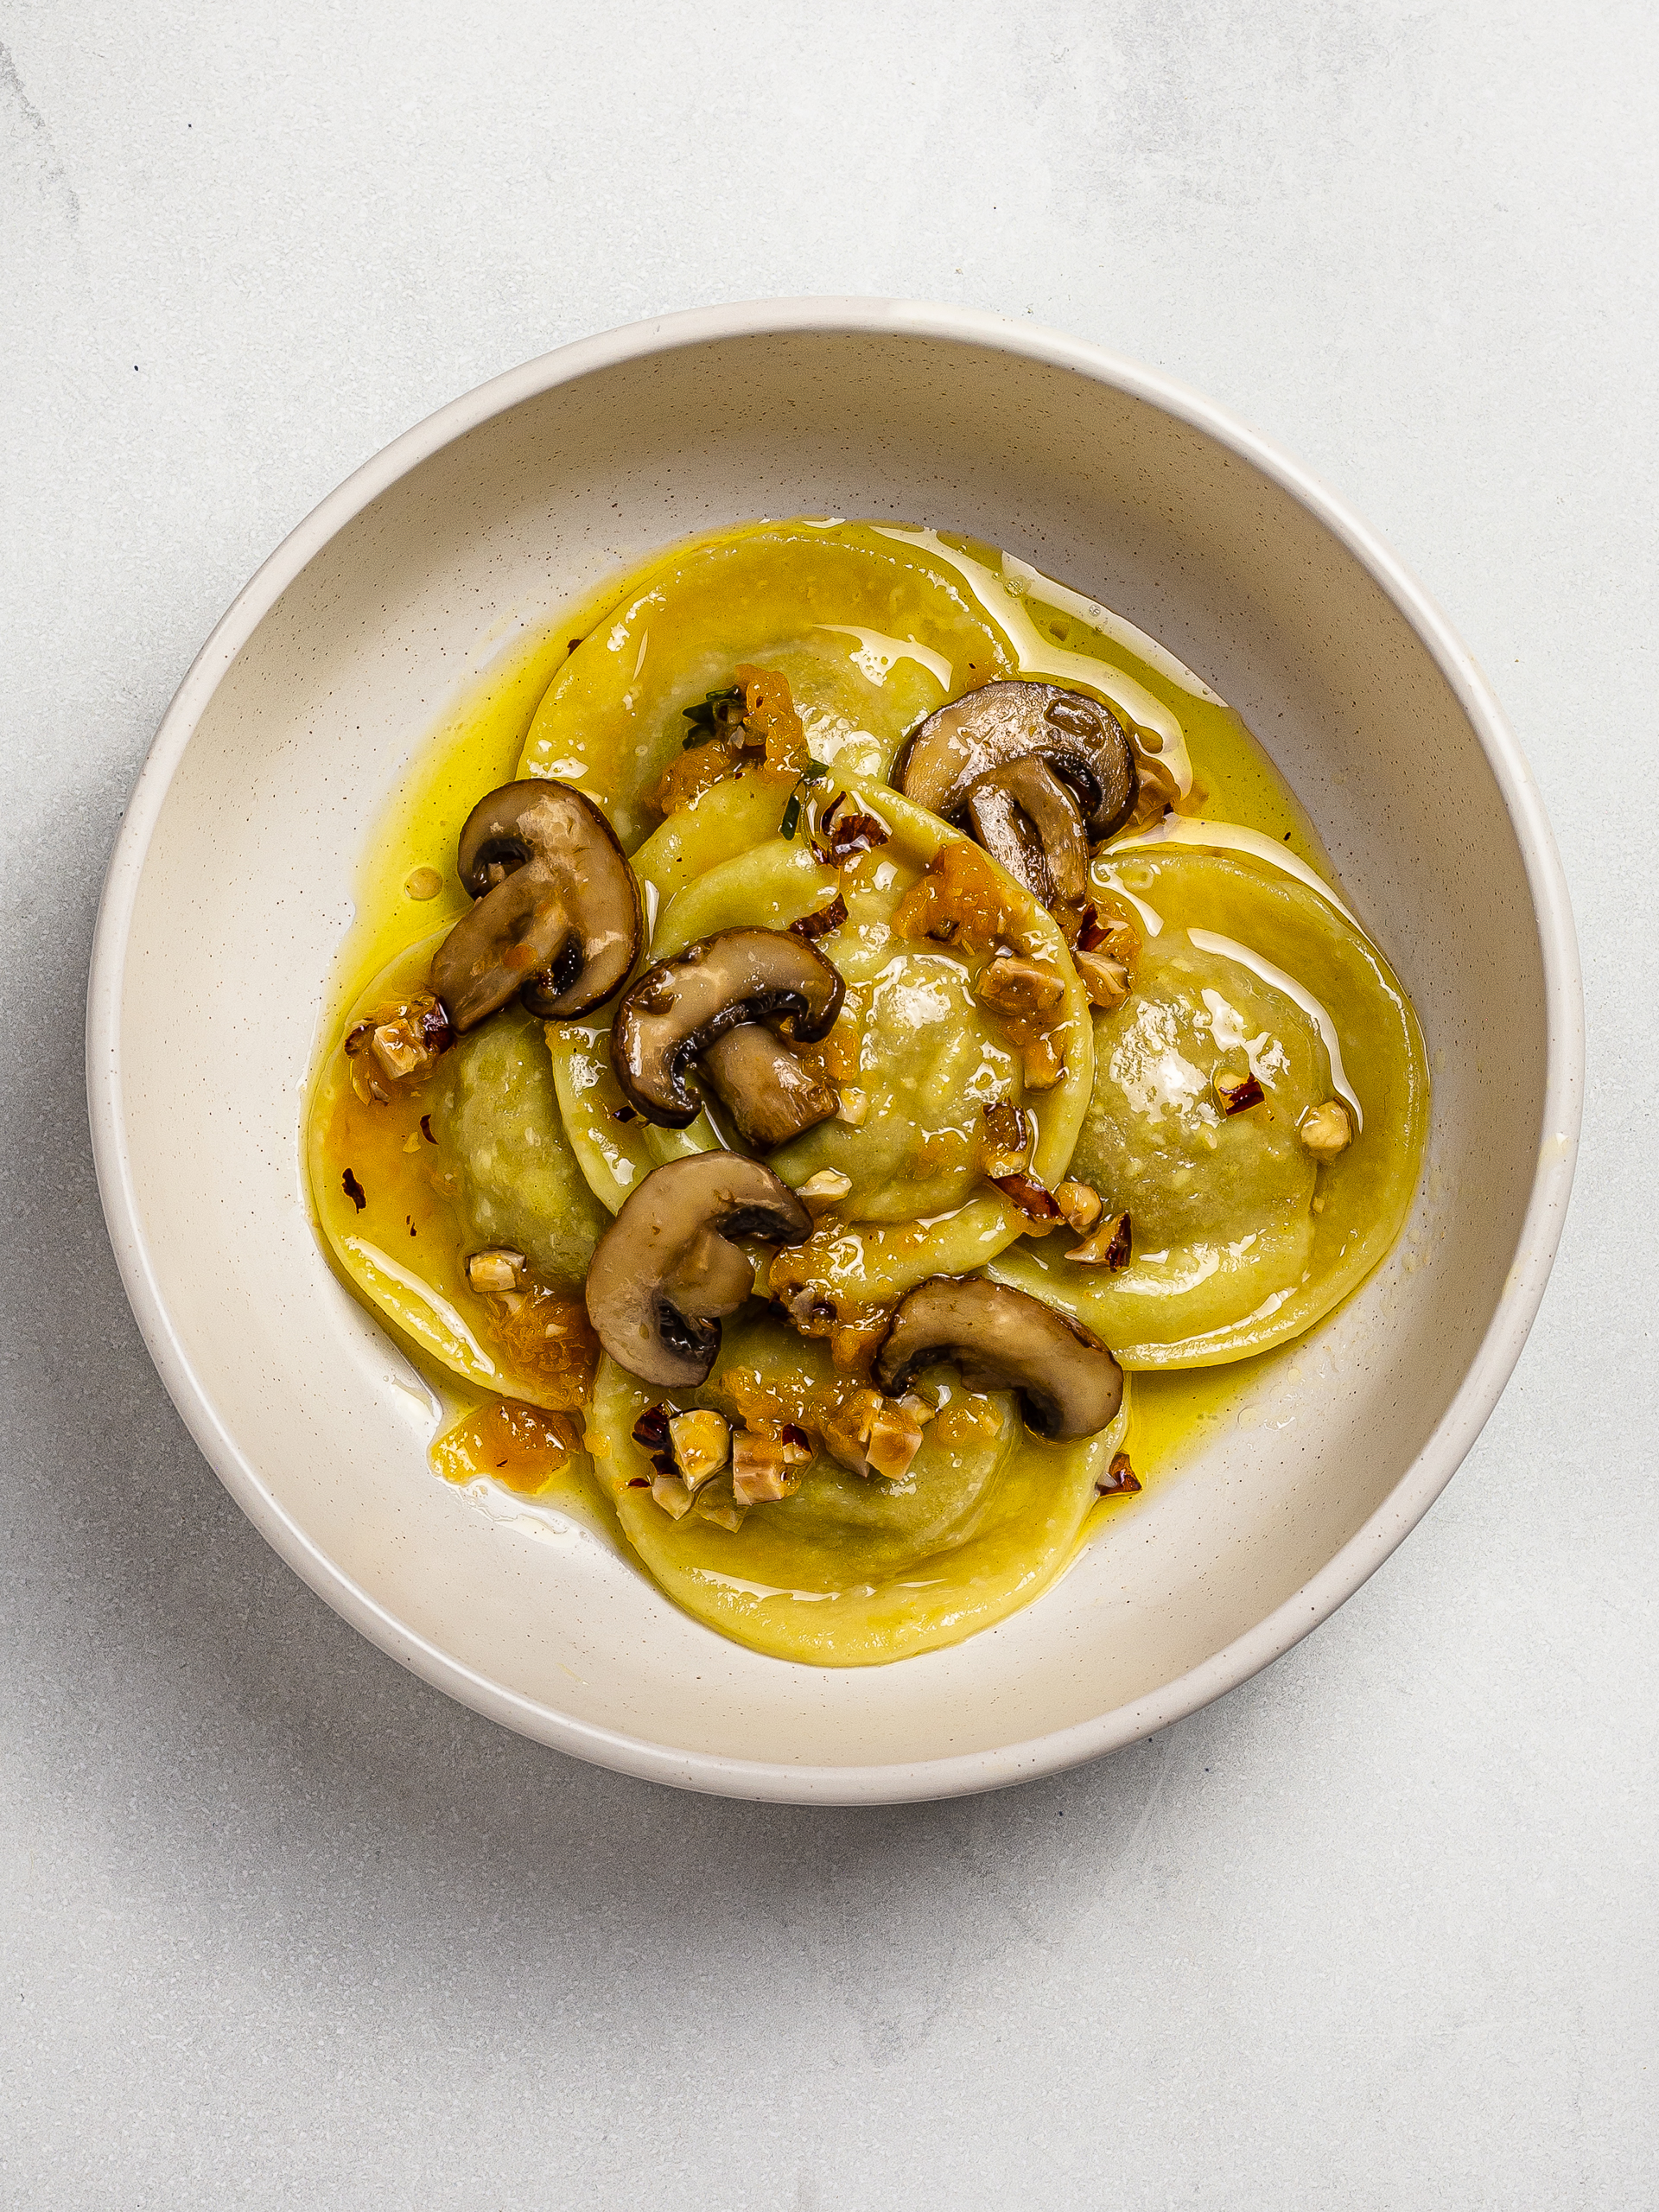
958,1774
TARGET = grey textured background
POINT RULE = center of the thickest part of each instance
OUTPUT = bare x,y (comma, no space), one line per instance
281,1926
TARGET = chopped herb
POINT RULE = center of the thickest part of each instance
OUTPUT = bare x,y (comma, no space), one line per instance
353,1190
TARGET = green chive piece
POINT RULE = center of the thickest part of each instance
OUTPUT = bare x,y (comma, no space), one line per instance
790,821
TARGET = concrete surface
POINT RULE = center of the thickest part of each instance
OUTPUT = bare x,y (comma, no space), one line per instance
281,1926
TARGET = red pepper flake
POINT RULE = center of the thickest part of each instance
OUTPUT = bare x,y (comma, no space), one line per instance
1238,1093
639,1482
1091,936
797,1437
822,922
1119,1251
353,1190
426,1128
1119,1479
651,1430
848,835
1036,1202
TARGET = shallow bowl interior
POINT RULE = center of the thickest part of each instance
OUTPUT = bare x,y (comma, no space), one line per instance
233,887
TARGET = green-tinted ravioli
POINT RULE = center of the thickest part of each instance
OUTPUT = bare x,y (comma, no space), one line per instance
1241,1241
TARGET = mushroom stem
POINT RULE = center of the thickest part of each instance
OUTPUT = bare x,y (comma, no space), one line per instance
1002,1339
767,1095
1030,822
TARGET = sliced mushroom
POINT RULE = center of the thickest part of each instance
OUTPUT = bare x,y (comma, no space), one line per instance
1031,822
1000,1338
670,1265
1081,739
767,1095
557,917
681,1006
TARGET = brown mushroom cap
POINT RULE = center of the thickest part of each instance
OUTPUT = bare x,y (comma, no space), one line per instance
679,1008
1001,1338
1081,739
669,1265
557,918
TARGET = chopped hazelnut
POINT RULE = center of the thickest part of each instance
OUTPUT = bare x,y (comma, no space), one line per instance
1013,985
1079,1206
1119,1478
1106,979
400,1042
701,1443
761,1473
1110,1247
1326,1130
894,1440
848,1430
827,1188
1005,1145
1032,1196
854,1105
496,1272
671,1493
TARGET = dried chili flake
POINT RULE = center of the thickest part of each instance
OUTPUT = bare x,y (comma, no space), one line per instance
353,1190
821,923
651,1430
1034,1200
1119,1478
1238,1093
848,835
426,1128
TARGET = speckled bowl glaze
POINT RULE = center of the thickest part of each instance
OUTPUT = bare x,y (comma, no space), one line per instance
231,884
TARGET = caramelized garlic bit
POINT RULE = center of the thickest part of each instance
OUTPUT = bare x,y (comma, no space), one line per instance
496,1271
854,1105
767,1468
1325,1130
700,1444
1111,1245
1106,979
847,1429
1236,1093
827,1188
1079,1206
1014,985
922,1409
399,1043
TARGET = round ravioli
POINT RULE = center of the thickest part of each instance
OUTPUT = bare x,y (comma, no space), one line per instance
853,1572
871,633
1253,993
916,1055
475,1156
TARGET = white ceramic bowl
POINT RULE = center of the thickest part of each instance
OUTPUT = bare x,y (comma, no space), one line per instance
230,888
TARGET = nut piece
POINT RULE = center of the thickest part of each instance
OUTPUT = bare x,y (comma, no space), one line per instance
854,1105
1079,1206
496,1271
1110,1247
764,1469
672,1262
1006,1143
1002,1339
701,1443
671,1493
1326,1130
1236,1093
1106,979
399,1043
827,1188
895,1437
557,918
1015,986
